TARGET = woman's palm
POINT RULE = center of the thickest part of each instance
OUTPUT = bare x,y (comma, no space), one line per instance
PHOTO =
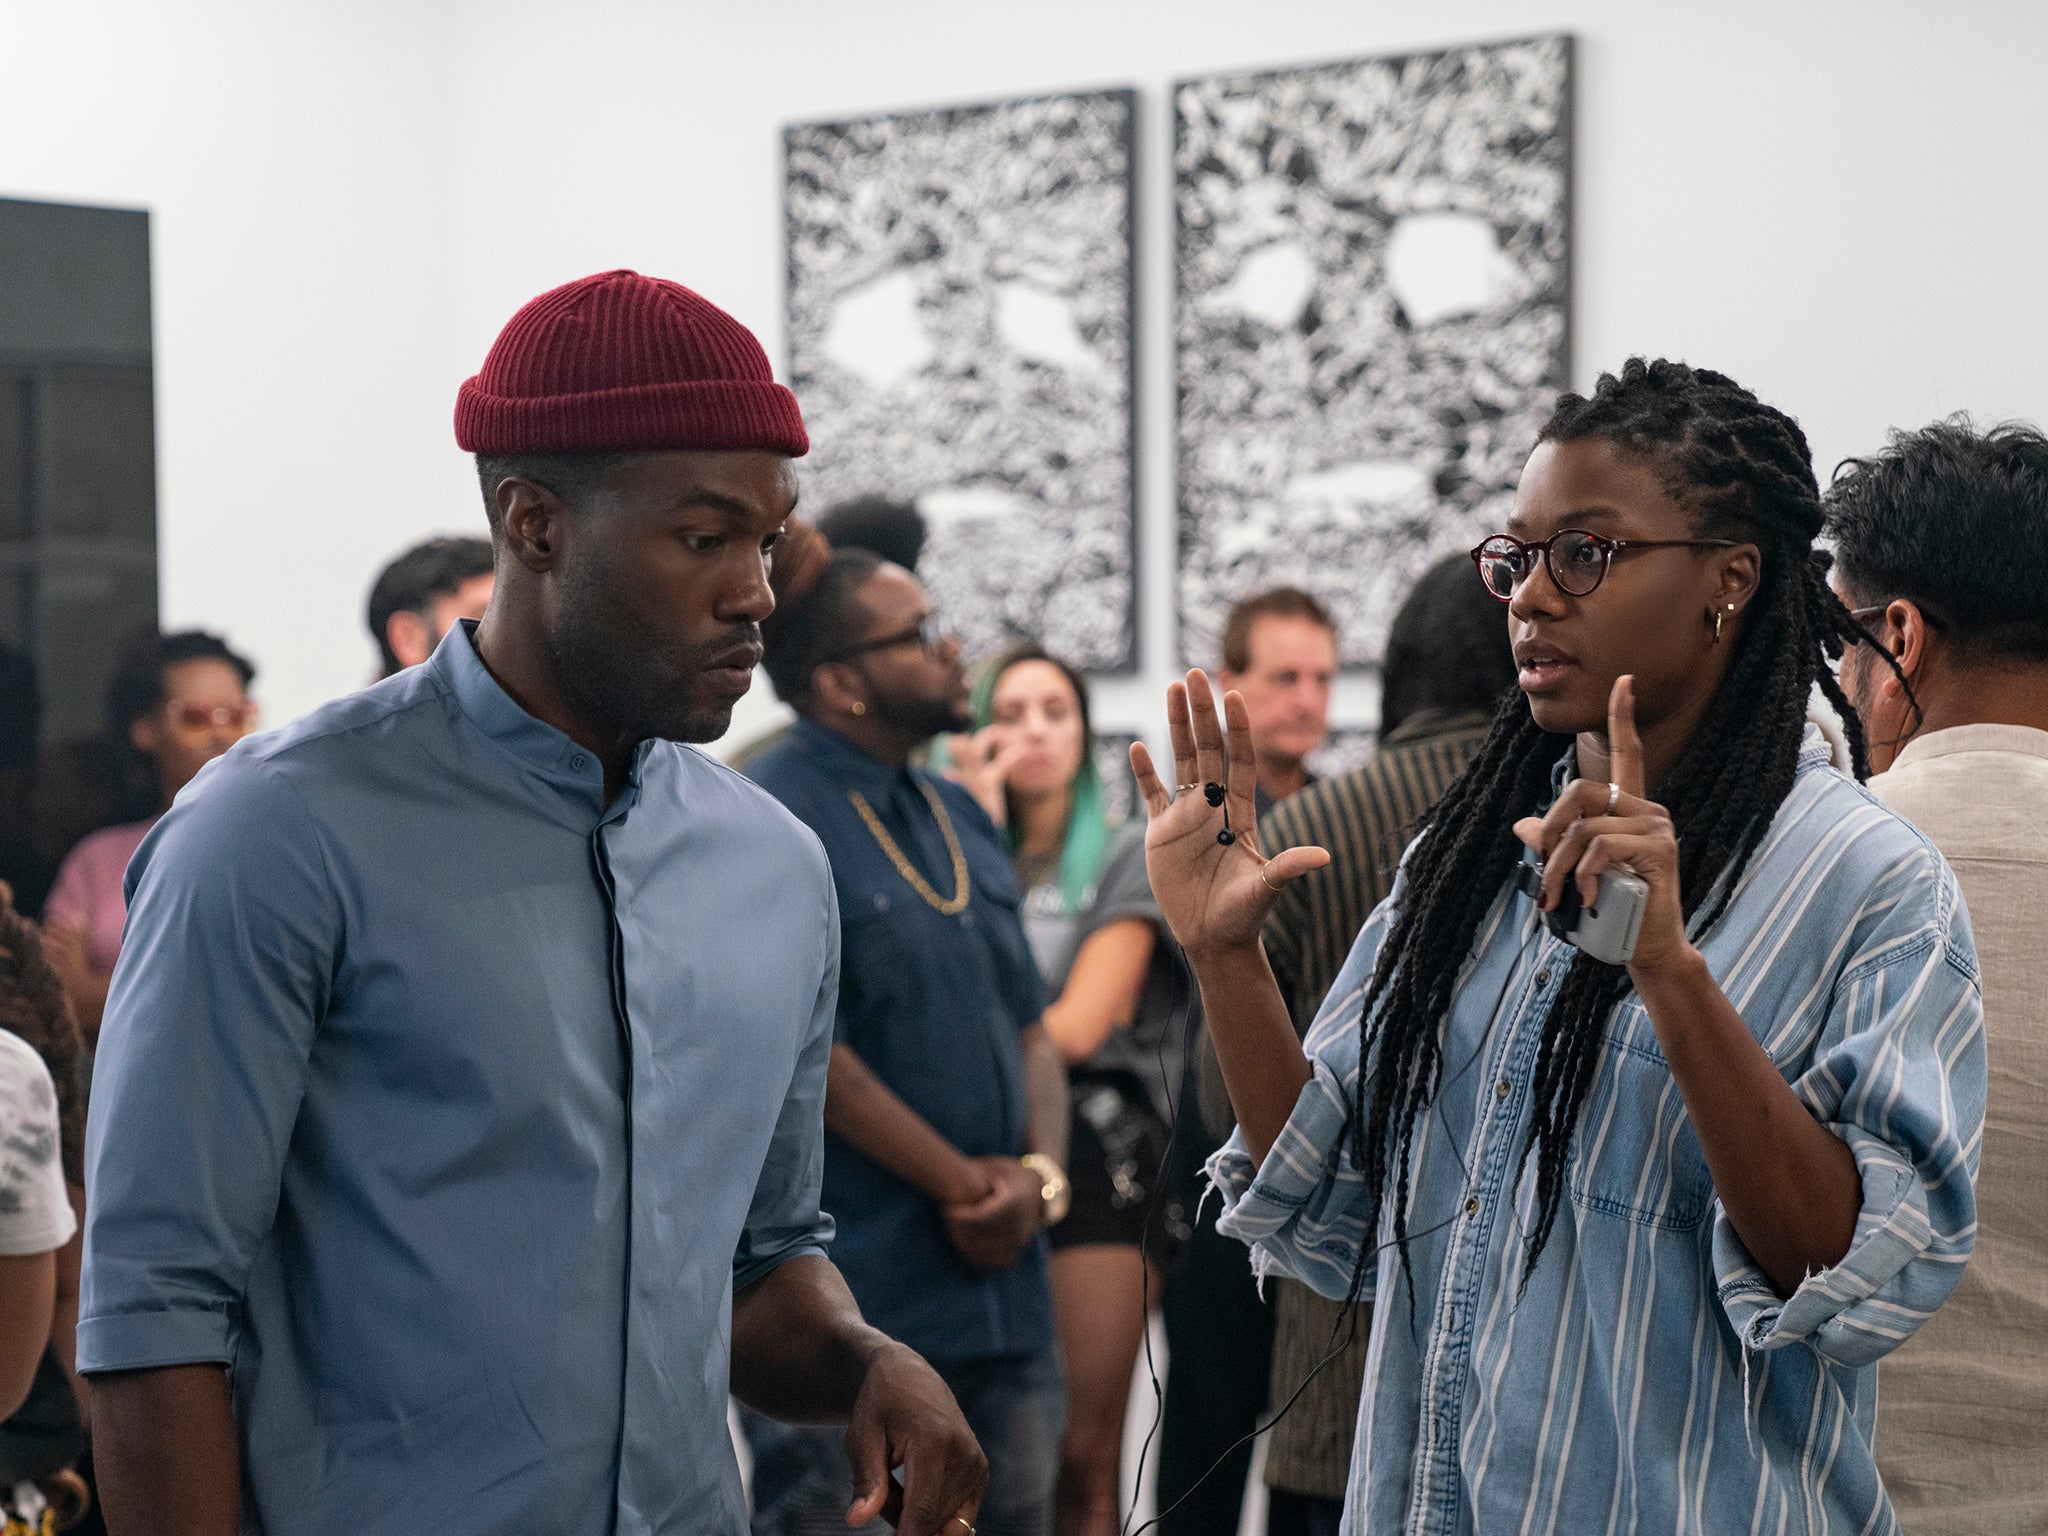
1214,891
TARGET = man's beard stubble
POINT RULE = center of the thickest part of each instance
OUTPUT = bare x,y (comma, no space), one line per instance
621,684
922,716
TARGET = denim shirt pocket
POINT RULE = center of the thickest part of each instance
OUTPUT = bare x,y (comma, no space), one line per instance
1635,1155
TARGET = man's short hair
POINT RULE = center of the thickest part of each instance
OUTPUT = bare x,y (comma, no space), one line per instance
1955,520
409,584
895,530
1448,647
815,622
571,476
1279,603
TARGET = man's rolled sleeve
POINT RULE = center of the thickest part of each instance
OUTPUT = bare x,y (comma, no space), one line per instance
226,965
784,1220
1900,1076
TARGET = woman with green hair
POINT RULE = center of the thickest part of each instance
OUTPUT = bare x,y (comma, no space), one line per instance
1118,1017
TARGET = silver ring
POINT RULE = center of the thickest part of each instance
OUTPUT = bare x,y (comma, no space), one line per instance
1613,797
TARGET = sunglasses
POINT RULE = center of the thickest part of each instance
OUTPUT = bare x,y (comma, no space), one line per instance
1577,560
928,632
197,719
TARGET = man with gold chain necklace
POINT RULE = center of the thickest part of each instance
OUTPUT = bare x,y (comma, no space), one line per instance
945,1103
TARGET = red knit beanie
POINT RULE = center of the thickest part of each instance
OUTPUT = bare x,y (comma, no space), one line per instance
620,362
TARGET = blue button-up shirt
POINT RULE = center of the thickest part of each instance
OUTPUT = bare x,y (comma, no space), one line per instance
1650,1378
448,1107
933,1005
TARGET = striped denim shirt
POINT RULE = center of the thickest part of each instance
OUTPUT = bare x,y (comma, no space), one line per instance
1650,1378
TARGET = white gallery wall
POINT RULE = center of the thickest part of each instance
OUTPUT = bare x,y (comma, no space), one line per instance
1841,205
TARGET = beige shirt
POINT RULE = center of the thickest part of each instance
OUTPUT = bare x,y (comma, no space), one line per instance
1962,1421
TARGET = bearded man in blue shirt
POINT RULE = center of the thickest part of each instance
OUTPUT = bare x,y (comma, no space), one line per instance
947,1103
456,1138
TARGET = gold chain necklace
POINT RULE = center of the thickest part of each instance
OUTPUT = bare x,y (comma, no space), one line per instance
916,881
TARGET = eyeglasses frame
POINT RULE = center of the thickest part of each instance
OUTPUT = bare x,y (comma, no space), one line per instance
1608,548
931,642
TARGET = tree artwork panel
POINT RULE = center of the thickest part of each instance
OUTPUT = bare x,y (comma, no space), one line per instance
960,336
1373,319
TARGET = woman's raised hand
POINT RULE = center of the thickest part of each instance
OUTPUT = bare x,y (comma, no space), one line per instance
1214,895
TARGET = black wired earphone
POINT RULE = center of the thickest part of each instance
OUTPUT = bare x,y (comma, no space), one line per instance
1347,1326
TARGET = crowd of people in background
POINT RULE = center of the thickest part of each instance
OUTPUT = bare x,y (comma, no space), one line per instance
1038,1053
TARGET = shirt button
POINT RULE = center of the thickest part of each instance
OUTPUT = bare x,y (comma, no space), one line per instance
1543,976
1472,1206
1501,1089
579,761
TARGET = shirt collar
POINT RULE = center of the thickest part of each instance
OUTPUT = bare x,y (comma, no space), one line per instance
543,749
842,761
2021,739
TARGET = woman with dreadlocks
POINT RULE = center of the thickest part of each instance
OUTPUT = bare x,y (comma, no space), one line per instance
1638,1233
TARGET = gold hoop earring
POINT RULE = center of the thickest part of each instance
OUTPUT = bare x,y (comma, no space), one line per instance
859,708
1717,621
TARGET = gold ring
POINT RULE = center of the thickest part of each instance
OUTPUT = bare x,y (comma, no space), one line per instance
1269,885
1178,789
964,1521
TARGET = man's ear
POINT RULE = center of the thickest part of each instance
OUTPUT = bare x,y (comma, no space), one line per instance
1910,639
411,641
532,521
837,688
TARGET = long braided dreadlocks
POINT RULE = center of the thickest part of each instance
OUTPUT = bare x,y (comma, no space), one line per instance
1744,470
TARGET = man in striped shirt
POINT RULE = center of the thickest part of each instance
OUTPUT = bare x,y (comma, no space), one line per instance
1447,665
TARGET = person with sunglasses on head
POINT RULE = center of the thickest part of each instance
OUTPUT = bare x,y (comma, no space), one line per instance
946,1102
175,702
1637,1229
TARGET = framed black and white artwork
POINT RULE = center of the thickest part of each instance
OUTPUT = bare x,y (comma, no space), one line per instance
1373,318
960,313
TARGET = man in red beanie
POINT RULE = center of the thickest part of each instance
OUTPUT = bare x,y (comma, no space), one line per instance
457,1130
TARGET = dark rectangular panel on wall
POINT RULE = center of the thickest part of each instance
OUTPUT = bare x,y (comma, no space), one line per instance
77,447
1373,316
74,281
960,331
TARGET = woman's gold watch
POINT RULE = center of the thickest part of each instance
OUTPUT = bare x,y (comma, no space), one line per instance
1055,1191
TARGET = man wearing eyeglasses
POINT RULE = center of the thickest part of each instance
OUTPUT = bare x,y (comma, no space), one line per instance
1942,549
945,1102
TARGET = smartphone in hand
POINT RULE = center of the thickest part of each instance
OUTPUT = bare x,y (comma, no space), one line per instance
1606,929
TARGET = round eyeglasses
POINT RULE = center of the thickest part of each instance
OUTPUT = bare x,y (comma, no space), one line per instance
1577,560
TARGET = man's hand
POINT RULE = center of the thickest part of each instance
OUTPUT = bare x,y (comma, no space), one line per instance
905,1417
990,1233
